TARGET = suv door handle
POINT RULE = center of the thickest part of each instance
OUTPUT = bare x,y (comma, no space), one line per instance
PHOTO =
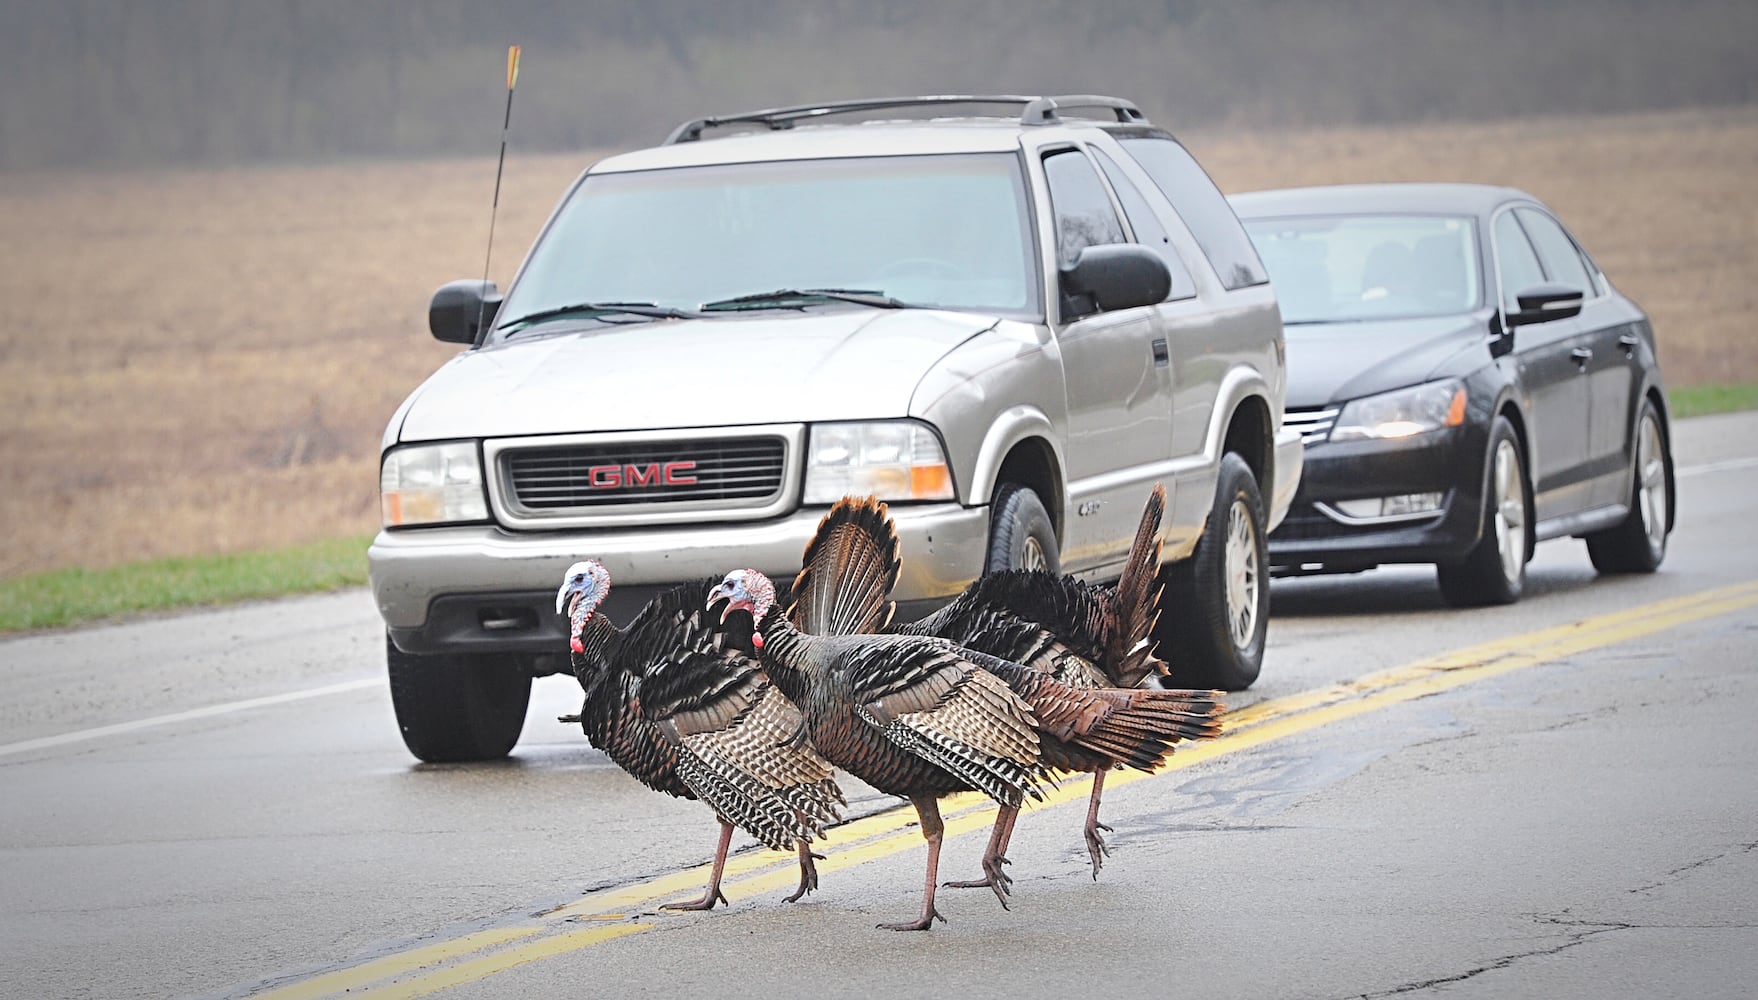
1581,355
1161,357
1629,342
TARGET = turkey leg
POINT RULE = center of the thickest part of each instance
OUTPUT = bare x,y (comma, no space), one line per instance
1095,843
994,856
928,809
713,894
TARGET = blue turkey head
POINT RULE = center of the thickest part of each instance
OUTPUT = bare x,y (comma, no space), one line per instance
584,588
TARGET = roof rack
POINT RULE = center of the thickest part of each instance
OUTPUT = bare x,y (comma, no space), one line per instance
1036,111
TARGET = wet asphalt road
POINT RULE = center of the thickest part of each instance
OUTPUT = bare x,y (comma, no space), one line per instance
217,804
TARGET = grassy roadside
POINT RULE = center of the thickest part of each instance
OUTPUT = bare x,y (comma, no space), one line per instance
72,596
1701,400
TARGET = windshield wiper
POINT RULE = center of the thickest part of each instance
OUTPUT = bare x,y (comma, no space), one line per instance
798,298
646,309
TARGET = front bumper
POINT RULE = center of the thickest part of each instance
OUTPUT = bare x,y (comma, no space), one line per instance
482,588
1313,541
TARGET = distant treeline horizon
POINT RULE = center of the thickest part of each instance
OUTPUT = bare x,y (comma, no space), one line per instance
119,83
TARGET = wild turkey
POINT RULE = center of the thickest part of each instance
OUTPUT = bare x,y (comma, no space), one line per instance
689,714
1084,636
908,715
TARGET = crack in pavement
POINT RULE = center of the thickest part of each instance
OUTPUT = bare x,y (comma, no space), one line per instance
1586,931
1680,872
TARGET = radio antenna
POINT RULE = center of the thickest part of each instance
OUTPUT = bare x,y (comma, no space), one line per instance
494,209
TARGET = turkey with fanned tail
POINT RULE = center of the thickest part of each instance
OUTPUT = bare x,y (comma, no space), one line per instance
909,715
689,713
1095,640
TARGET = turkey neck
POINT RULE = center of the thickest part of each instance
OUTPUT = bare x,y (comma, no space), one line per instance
784,655
608,691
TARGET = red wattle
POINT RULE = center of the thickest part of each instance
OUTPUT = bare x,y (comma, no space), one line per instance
756,640
574,644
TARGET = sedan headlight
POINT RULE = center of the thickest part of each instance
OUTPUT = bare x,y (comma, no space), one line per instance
1404,413
432,484
894,460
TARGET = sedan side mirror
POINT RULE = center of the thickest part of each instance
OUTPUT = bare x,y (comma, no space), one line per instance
1113,276
461,310
1543,303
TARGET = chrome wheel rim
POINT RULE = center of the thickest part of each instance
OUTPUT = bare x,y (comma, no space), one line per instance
1033,558
1510,510
1651,496
1242,574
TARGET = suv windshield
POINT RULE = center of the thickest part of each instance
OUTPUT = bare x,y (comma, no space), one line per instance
1329,269
945,231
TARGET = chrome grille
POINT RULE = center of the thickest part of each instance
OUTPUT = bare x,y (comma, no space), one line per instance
579,477
1314,425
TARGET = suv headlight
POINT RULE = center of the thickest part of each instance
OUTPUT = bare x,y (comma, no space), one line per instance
1404,413
893,460
432,484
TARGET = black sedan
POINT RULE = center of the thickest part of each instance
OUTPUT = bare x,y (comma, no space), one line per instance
1468,384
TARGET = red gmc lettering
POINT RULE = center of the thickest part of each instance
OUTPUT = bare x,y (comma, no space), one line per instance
610,477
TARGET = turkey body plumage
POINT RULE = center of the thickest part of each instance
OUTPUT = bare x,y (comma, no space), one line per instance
1077,653
909,715
689,714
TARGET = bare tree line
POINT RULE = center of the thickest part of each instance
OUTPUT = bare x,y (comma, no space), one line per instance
120,83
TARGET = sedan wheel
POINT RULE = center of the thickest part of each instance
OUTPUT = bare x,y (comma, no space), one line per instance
1637,544
1494,571
1510,510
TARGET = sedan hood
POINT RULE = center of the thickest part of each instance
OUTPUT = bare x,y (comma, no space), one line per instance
1334,362
733,370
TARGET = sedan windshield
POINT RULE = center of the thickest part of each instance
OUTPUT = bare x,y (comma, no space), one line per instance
933,231
1330,269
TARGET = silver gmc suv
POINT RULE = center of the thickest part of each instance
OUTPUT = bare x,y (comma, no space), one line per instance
1008,327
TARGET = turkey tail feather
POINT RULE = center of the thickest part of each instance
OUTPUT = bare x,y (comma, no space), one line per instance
1137,600
848,571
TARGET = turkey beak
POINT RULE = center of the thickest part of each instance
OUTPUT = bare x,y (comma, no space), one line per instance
722,592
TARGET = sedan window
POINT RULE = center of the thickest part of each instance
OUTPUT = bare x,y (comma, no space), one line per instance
1328,269
1562,260
1516,260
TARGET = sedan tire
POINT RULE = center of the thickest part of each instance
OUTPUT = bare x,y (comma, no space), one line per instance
1637,544
1494,572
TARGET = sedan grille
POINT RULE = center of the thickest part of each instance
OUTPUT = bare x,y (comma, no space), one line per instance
1314,425
723,472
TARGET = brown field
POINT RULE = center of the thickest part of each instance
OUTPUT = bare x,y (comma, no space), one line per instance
198,362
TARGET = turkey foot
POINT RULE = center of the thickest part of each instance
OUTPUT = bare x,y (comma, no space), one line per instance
808,874
994,856
713,895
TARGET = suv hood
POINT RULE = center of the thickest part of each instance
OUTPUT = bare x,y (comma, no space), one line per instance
773,368
1333,362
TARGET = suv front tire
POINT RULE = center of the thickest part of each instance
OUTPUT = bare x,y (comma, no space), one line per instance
454,707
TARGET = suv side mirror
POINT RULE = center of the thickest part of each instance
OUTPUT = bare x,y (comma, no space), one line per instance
461,310
1543,303
1113,276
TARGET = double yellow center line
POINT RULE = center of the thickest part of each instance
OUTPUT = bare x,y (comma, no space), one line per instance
627,909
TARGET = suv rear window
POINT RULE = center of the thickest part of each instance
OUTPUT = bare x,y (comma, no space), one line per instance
1211,220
